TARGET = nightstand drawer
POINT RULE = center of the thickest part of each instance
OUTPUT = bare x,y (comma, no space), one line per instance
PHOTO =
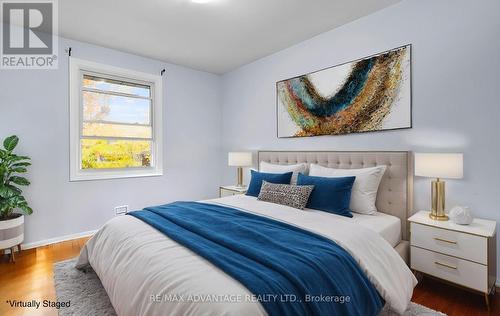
224,193
229,190
462,245
470,274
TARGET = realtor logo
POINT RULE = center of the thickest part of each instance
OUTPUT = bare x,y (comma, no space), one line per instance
29,34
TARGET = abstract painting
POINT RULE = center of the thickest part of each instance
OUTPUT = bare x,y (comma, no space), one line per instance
369,94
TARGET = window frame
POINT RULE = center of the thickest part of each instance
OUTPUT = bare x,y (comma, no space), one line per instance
77,69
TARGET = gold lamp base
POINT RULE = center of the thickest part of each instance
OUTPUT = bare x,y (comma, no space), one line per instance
240,178
438,201
438,218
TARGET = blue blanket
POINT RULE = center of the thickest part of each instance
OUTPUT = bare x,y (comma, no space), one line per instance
289,270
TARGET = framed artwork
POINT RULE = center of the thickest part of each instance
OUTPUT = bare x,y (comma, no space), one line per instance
365,95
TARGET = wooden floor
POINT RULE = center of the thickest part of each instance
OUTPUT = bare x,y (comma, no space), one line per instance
31,278
452,300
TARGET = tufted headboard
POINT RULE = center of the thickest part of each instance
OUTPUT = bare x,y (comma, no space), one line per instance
395,193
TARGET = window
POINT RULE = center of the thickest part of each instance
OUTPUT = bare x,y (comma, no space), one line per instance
116,122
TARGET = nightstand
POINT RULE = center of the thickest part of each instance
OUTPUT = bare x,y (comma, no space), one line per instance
228,190
463,255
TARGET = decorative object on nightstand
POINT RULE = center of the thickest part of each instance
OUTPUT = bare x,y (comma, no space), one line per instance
228,190
464,255
434,165
240,159
461,215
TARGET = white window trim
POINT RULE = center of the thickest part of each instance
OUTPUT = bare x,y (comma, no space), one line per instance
77,66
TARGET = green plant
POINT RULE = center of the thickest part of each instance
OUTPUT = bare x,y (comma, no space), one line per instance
11,165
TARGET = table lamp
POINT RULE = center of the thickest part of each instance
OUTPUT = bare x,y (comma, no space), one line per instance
439,165
240,159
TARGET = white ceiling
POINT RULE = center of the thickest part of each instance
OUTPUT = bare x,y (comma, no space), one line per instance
218,36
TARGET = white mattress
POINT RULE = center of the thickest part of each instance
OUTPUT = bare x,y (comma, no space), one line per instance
387,226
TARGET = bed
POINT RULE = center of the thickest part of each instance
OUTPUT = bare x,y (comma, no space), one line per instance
395,194
146,273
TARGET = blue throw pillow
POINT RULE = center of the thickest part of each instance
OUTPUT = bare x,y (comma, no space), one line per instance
258,177
331,195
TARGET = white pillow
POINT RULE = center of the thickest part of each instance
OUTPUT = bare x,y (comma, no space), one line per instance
272,168
364,190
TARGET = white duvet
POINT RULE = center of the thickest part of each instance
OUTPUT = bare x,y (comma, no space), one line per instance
146,273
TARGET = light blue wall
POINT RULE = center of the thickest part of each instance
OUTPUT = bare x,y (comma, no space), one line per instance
456,86
456,49
34,105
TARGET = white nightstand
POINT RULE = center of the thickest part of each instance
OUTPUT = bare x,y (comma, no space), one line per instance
228,190
464,255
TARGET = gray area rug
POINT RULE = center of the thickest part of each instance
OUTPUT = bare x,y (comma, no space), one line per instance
88,297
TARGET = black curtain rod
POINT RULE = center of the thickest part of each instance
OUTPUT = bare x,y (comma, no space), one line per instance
69,54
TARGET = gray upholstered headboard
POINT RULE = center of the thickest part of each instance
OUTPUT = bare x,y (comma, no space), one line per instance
395,194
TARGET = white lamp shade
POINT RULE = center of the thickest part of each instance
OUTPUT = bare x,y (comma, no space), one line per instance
434,165
240,159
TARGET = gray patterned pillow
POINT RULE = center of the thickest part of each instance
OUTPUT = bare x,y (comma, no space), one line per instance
285,194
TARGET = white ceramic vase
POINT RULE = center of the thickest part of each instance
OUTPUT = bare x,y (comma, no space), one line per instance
461,215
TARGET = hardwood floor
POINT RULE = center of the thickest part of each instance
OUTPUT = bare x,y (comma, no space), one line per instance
452,300
31,278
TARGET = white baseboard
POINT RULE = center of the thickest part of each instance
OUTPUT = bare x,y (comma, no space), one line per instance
57,239
54,240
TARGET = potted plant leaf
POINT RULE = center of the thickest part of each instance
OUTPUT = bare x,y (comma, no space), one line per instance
11,195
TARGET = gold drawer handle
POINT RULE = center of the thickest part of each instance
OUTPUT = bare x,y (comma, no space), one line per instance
445,265
444,240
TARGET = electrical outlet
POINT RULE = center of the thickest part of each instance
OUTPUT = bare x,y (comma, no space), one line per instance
120,210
